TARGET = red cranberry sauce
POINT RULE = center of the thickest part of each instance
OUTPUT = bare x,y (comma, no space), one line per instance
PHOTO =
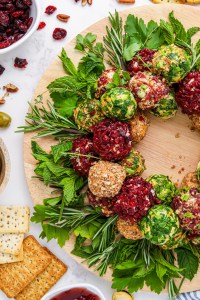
76,294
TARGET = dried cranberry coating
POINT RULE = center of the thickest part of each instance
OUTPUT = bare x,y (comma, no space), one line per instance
141,61
187,206
106,204
82,164
14,21
2,69
41,25
20,63
188,95
59,33
137,196
50,9
112,139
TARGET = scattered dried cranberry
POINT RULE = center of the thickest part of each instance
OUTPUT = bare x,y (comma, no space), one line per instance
50,9
41,25
188,95
137,196
141,61
14,20
2,69
81,163
59,33
112,139
20,63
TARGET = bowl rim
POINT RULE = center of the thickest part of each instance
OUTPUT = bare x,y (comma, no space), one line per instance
28,33
91,287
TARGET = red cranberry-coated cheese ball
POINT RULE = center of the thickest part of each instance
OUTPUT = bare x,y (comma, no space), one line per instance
105,78
187,206
148,89
82,164
188,95
137,196
112,139
142,61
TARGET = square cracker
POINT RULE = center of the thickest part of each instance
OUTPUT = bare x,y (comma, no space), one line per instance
11,243
16,276
14,219
6,258
44,281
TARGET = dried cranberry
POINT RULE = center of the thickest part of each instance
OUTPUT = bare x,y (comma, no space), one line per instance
28,2
112,139
137,196
82,163
50,9
141,61
188,95
5,44
20,63
17,13
4,18
41,25
59,33
2,69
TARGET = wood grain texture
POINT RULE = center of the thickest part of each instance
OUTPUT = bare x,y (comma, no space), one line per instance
167,144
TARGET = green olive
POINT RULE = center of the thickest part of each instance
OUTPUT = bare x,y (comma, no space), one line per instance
4,119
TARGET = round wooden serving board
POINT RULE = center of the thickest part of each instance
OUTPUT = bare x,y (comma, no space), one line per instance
170,147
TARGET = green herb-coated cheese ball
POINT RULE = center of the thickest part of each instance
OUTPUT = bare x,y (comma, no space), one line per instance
166,107
134,163
160,225
172,62
178,240
164,188
118,103
87,114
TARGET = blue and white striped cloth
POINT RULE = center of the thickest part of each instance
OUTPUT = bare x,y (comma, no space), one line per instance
189,296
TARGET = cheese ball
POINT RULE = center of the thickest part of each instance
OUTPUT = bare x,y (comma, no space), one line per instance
139,125
130,231
160,225
171,62
135,199
166,107
112,139
147,89
195,118
188,95
105,78
118,103
187,206
142,61
190,180
164,188
87,114
134,163
178,240
106,179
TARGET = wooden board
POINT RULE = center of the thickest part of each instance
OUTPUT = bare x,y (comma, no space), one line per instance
167,144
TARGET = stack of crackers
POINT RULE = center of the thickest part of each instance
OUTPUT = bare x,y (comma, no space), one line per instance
27,270
14,223
176,1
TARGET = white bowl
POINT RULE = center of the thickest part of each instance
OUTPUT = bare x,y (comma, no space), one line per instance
35,13
88,286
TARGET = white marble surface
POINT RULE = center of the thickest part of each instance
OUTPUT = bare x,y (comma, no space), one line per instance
40,50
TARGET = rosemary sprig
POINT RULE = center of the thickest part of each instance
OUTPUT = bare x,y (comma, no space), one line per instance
113,41
49,122
144,249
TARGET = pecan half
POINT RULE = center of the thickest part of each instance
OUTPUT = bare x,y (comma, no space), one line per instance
63,17
10,88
